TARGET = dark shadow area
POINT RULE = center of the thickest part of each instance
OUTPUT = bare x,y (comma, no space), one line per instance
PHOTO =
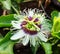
1,11
20,49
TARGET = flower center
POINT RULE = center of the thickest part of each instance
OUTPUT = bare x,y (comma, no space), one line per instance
31,25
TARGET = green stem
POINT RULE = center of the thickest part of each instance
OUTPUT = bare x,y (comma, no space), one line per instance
34,49
15,10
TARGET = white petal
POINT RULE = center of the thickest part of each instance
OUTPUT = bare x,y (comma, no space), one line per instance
18,35
25,40
33,41
42,37
16,24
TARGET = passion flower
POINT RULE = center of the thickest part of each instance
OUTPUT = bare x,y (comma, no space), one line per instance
30,26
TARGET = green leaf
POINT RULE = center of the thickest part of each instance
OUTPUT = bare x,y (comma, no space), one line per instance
56,27
56,24
47,47
7,48
54,14
6,4
6,45
2,0
58,0
5,21
6,38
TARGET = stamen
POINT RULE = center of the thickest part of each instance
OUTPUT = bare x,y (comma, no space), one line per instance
38,29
